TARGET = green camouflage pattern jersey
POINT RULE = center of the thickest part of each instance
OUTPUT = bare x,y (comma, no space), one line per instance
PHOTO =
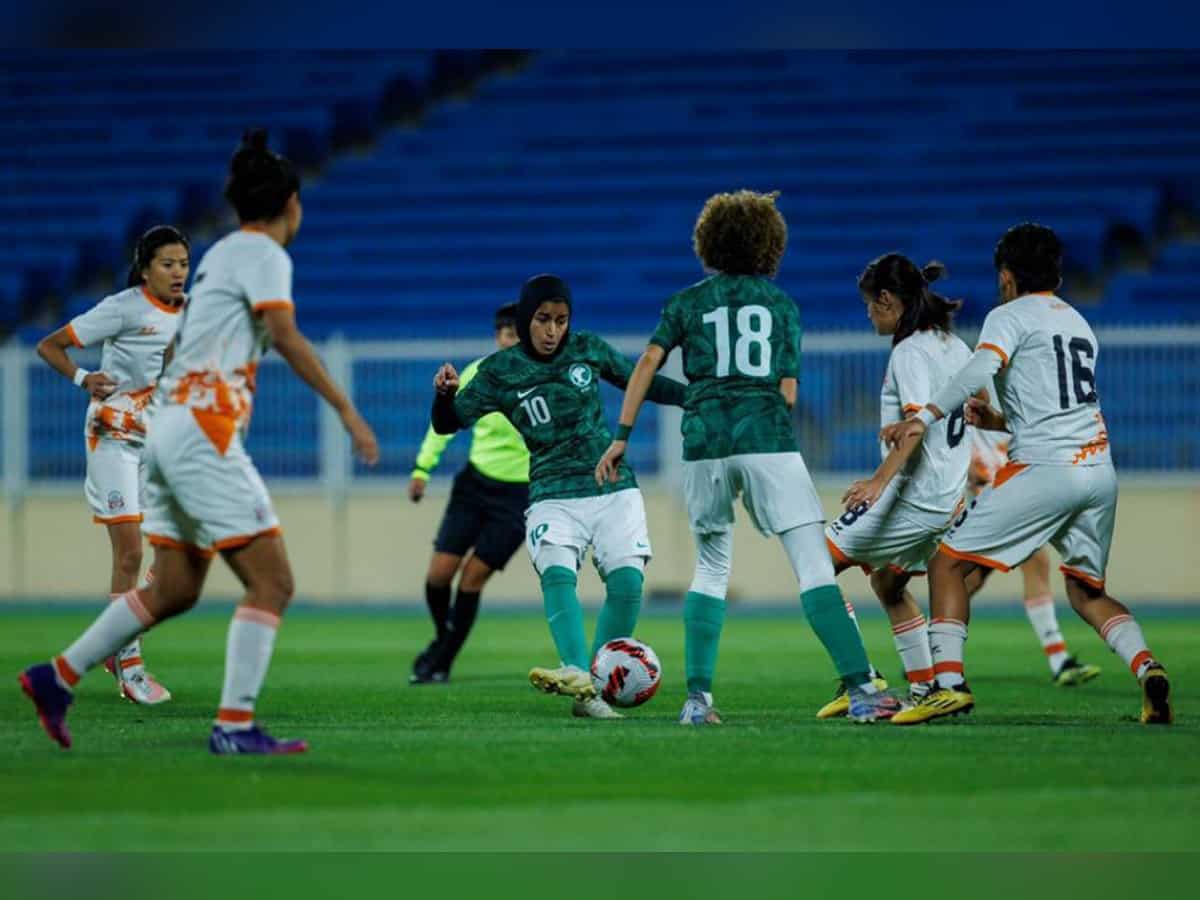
740,335
556,407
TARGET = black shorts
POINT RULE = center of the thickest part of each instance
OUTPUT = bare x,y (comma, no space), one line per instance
485,514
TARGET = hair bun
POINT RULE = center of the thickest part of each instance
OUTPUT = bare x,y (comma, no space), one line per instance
255,139
932,271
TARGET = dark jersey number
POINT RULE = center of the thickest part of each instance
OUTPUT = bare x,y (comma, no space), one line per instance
1081,379
956,427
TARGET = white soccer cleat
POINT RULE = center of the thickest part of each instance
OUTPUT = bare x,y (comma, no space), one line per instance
698,710
594,709
134,683
571,681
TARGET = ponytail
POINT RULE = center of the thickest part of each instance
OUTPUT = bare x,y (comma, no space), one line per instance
260,180
899,276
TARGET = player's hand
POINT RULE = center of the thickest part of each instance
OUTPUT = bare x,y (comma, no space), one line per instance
609,467
99,386
416,489
898,432
983,415
862,492
366,445
446,380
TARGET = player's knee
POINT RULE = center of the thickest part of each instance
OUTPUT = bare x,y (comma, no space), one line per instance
1081,594
275,589
129,561
475,575
888,587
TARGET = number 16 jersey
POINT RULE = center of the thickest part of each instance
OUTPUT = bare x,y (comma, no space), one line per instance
1047,381
740,335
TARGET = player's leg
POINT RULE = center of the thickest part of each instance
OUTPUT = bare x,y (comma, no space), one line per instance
438,580
703,621
557,541
1065,669
50,685
461,619
910,631
1084,545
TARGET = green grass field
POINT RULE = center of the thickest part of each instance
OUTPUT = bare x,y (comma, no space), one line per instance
486,763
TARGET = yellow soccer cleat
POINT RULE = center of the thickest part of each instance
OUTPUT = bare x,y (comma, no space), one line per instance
936,704
571,681
1073,672
1156,697
840,704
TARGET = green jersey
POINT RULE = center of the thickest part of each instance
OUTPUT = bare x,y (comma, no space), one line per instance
740,335
556,407
497,451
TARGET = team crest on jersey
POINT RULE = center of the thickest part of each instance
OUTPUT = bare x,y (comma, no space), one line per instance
116,502
580,375
148,329
538,533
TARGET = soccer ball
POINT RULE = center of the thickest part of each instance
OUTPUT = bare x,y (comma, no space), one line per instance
626,672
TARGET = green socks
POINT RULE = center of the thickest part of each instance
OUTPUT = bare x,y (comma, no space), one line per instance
826,611
703,618
564,615
622,603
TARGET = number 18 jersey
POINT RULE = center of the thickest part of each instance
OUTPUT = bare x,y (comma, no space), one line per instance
1047,383
740,335
920,366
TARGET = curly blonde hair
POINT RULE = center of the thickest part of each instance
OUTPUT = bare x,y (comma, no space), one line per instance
741,233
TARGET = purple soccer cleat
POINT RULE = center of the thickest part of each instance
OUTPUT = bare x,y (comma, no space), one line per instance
51,700
251,740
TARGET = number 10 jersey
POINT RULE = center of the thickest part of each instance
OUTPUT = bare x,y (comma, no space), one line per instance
740,335
920,366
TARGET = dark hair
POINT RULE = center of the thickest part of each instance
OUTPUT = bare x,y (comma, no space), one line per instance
900,277
148,245
1034,255
740,234
506,316
260,180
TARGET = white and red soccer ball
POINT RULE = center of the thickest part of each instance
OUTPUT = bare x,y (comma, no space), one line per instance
626,672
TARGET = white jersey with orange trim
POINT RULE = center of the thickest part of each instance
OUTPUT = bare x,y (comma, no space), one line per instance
222,337
135,328
989,454
920,366
1047,384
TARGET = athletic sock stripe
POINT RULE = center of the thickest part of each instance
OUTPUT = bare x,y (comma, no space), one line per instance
947,666
131,662
65,672
903,627
917,675
254,614
942,621
1113,623
1136,663
1059,647
224,714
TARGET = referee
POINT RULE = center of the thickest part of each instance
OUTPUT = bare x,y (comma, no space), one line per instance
484,523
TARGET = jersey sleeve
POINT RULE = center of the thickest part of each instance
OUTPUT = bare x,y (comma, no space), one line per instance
104,320
435,444
788,365
1001,333
910,375
669,333
476,398
614,367
268,283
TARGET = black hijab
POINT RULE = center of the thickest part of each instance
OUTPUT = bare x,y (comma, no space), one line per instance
538,290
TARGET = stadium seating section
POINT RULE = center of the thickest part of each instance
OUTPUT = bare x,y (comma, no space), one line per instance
594,165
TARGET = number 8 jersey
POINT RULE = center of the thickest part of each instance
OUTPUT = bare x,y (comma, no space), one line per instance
740,335
920,366
1047,382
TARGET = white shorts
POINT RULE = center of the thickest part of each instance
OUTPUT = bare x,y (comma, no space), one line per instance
890,534
613,525
198,498
776,490
1072,508
116,477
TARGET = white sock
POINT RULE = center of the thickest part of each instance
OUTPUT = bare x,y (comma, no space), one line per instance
129,658
912,643
853,618
1125,637
946,640
121,620
1044,620
248,651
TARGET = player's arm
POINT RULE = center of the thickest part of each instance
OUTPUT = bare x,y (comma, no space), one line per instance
640,380
972,378
788,387
293,346
432,448
870,490
53,349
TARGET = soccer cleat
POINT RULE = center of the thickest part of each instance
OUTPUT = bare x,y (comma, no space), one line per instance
137,685
840,704
698,710
251,741
51,700
863,707
936,704
1156,697
594,709
1073,672
569,680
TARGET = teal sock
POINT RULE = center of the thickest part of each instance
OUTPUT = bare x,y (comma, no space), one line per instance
826,611
703,618
564,615
622,603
